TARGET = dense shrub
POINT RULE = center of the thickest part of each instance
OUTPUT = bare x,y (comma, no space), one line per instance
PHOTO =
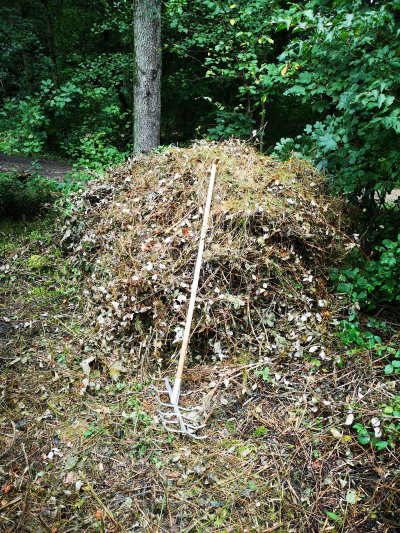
26,195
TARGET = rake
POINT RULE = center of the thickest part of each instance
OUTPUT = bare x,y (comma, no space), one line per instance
180,419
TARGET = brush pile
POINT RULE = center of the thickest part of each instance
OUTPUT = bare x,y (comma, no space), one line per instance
274,233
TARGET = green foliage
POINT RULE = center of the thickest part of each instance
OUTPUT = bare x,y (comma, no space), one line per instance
264,373
385,430
374,281
23,126
233,45
79,120
260,431
346,62
79,104
351,333
394,366
389,427
21,195
229,124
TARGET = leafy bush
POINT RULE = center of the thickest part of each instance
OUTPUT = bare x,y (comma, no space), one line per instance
26,195
385,430
373,281
228,124
339,64
81,119
94,152
23,125
351,333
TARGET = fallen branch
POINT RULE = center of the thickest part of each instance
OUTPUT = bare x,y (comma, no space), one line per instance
105,509
12,442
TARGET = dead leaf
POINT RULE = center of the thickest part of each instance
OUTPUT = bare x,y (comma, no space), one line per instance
335,433
103,410
115,369
85,365
98,514
70,478
7,488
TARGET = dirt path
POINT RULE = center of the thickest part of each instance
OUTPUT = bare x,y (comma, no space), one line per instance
49,167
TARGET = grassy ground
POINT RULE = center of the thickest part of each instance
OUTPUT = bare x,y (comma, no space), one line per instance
278,457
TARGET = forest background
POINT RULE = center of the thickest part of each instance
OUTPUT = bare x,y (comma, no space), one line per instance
318,79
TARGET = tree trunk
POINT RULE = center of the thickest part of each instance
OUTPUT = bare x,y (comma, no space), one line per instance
147,86
50,45
26,53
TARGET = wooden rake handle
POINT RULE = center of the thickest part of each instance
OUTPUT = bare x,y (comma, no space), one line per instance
185,342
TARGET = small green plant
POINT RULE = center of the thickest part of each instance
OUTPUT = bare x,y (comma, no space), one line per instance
373,281
388,427
365,437
264,373
394,365
351,333
260,431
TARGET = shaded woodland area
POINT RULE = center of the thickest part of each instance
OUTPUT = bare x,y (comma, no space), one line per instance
72,62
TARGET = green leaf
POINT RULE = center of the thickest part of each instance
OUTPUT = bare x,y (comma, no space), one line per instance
252,486
388,369
381,99
363,440
332,515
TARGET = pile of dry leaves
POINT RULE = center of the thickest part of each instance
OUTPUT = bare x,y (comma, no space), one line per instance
274,234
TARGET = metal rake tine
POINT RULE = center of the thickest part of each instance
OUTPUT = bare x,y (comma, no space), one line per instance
167,380
197,437
169,421
160,391
188,433
188,428
166,415
187,409
164,391
170,415
195,428
172,430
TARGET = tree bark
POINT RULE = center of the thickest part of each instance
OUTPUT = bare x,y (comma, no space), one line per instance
26,53
147,86
50,45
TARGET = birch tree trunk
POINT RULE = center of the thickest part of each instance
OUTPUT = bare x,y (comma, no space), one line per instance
147,87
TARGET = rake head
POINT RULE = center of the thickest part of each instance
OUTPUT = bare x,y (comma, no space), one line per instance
172,417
